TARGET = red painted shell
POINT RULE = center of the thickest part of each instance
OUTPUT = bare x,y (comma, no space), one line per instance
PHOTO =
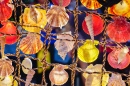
5,12
119,30
113,60
9,28
65,3
97,25
4,1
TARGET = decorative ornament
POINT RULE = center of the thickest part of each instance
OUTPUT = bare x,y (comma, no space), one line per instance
64,3
29,77
119,58
33,19
6,67
115,9
108,3
58,76
64,46
57,17
91,4
97,23
27,63
116,80
7,81
31,44
5,10
95,79
9,28
85,52
118,30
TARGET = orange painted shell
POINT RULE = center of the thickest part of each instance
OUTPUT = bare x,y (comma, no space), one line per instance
6,67
113,60
124,5
5,12
58,75
116,80
31,44
57,17
4,1
9,28
27,19
91,4
119,30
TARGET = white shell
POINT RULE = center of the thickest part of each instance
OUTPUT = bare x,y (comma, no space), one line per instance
64,46
28,64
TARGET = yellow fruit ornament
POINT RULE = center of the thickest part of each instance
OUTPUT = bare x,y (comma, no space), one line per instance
33,17
88,52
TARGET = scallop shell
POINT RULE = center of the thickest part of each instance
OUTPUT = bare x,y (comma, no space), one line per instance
85,52
95,79
7,81
5,1
118,30
116,80
6,68
63,46
26,19
31,44
113,60
57,17
97,26
115,9
58,75
65,3
28,64
91,4
5,12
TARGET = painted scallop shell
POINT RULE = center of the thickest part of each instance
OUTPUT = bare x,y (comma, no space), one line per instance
5,12
5,1
118,30
85,52
58,75
108,3
113,59
115,9
7,81
116,80
57,17
9,28
31,44
97,22
64,46
64,3
28,64
27,19
95,79
91,4
6,68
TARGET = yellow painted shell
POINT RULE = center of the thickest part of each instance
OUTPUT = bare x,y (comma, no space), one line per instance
91,4
6,68
88,52
95,79
31,44
26,19
58,75
7,81
124,5
57,17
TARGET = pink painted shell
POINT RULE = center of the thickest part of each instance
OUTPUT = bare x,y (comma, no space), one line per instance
6,67
57,17
58,75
